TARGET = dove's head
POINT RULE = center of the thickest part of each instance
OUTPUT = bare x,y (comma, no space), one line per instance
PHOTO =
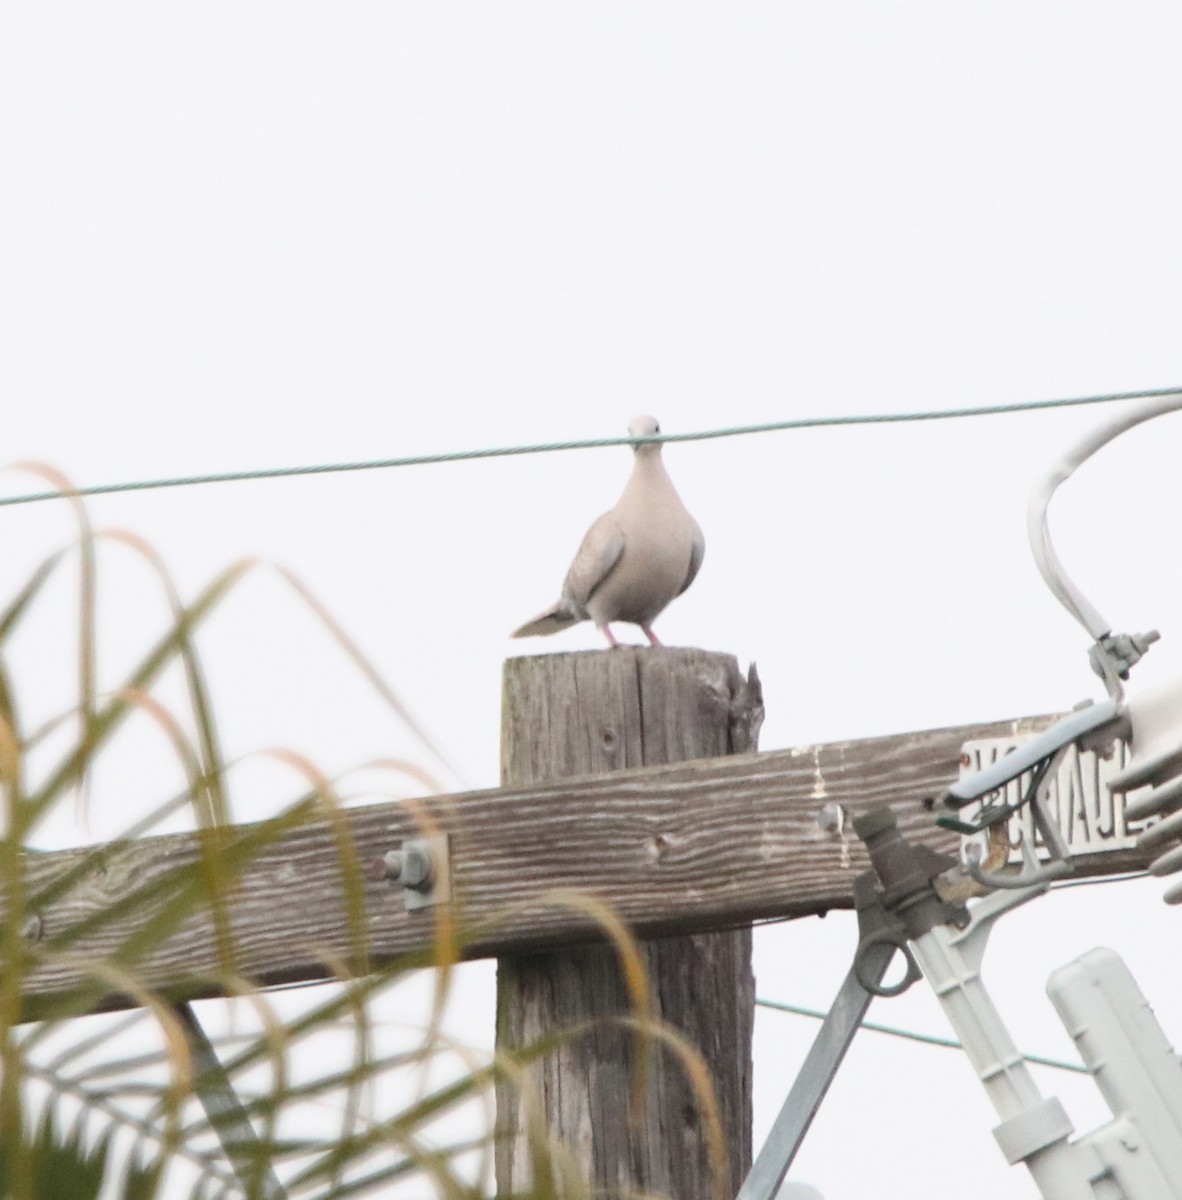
645,427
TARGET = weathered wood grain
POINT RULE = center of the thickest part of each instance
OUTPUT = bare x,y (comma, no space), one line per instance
576,713
707,844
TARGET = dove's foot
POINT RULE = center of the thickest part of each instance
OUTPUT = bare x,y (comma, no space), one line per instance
652,637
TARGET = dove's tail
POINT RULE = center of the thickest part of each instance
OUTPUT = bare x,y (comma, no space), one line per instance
553,620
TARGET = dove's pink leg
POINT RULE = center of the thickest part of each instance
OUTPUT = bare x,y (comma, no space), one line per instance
611,637
652,637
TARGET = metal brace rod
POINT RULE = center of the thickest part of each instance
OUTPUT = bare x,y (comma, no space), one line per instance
226,1114
816,1074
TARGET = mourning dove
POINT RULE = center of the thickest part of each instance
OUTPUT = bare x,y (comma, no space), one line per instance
635,558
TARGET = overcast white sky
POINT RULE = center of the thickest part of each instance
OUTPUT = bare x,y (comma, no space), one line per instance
254,235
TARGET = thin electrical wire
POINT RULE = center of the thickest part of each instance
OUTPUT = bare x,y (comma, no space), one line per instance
419,460
1060,884
928,1039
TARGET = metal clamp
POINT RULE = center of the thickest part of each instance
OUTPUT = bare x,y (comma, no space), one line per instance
866,965
422,867
878,929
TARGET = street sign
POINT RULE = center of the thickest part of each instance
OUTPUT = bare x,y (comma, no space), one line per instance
1091,819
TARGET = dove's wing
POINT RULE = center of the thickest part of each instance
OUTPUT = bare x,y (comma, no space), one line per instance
601,550
697,552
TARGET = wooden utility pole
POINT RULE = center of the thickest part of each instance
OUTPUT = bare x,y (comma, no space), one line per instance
602,711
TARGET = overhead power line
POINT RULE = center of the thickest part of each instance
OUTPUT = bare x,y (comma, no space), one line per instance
928,1039
419,460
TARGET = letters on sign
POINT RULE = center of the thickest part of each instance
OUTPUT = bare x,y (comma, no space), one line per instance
1090,817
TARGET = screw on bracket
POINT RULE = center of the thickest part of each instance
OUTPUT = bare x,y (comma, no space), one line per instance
421,867
831,819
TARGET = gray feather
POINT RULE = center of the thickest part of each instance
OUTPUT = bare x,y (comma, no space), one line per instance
553,620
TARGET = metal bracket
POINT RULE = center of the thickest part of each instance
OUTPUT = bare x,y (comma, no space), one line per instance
878,930
861,985
422,867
